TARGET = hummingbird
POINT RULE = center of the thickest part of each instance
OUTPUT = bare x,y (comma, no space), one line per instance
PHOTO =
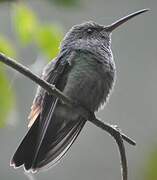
84,71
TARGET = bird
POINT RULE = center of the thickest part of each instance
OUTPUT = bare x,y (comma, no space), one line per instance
85,72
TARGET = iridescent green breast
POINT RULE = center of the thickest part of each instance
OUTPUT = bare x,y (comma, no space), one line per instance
88,81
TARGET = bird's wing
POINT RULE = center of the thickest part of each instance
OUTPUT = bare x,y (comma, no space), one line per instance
50,74
54,139
50,136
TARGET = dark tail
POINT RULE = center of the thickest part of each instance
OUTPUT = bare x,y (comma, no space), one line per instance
24,155
51,153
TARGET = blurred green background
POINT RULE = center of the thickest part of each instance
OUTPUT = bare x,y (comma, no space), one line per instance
30,32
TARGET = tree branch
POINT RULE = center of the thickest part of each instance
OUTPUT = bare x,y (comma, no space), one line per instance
51,89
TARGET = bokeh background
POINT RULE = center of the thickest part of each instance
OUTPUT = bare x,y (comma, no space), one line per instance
30,31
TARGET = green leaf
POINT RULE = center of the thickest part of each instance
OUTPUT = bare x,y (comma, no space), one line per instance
67,3
6,47
25,22
150,172
7,1
6,97
48,39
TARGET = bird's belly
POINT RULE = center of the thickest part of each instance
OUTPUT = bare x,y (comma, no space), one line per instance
87,86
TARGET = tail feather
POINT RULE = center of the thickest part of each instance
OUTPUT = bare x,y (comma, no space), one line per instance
24,155
50,153
58,148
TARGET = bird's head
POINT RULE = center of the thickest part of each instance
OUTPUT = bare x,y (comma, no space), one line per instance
92,32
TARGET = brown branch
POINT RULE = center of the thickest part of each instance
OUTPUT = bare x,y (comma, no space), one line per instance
51,89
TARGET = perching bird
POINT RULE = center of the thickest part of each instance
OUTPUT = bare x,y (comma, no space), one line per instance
84,71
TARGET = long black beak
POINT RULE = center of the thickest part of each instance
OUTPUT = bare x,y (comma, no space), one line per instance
121,21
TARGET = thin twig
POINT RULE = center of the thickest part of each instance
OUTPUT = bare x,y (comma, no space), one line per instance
124,168
51,89
116,134
119,141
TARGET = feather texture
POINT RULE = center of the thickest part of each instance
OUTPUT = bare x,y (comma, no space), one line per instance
53,125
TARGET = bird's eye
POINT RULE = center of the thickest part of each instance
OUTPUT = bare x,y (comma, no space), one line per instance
89,30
